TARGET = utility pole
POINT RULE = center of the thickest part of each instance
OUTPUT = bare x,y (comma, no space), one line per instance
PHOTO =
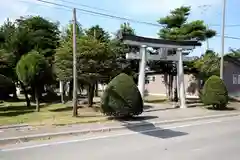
223,40
75,113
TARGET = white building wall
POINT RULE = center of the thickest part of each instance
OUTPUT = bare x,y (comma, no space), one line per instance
157,87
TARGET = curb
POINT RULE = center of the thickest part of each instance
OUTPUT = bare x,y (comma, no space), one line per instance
13,126
46,136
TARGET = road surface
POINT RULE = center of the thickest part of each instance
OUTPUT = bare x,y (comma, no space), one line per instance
206,139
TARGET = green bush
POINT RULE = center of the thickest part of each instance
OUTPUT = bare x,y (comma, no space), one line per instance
215,93
122,97
31,68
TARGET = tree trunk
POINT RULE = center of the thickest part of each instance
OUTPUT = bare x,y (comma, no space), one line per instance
175,90
70,94
37,100
25,94
15,94
165,78
171,87
80,88
96,90
90,94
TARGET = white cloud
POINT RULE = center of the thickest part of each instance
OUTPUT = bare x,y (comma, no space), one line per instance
162,7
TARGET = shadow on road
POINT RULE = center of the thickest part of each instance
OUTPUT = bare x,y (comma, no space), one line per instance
150,129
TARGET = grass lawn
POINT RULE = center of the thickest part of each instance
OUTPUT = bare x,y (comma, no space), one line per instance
50,114
55,114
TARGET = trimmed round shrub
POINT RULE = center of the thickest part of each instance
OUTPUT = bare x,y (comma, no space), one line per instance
215,93
122,98
31,68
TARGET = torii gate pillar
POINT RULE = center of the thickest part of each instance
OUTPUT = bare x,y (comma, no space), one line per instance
141,77
180,75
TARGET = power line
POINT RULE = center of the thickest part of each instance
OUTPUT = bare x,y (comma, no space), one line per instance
69,8
218,25
59,7
101,9
101,14
228,37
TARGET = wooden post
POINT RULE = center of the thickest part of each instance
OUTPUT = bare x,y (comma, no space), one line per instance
74,66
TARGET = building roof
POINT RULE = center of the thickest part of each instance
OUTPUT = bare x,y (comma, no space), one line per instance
231,59
156,42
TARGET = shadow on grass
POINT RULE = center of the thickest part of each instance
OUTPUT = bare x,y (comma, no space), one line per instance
89,116
15,100
150,129
155,101
192,99
147,106
82,96
69,108
13,114
5,108
222,109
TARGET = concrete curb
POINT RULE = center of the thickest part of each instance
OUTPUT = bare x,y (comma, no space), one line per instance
13,126
20,139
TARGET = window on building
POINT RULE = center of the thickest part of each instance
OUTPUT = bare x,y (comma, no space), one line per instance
235,79
238,79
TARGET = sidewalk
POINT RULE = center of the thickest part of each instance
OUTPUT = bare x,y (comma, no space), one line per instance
154,114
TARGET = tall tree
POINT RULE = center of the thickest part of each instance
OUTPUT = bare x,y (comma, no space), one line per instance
177,27
130,67
31,70
126,28
67,33
208,65
234,53
26,34
7,30
7,64
44,34
92,57
98,33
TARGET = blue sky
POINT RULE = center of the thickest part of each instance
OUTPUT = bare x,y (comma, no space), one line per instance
143,10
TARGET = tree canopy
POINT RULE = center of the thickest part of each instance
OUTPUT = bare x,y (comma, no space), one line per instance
176,26
31,68
126,28
98,33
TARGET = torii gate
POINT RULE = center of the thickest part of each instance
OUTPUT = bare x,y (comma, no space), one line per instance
162,46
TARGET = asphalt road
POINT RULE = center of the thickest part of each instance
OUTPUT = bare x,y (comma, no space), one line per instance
206,139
